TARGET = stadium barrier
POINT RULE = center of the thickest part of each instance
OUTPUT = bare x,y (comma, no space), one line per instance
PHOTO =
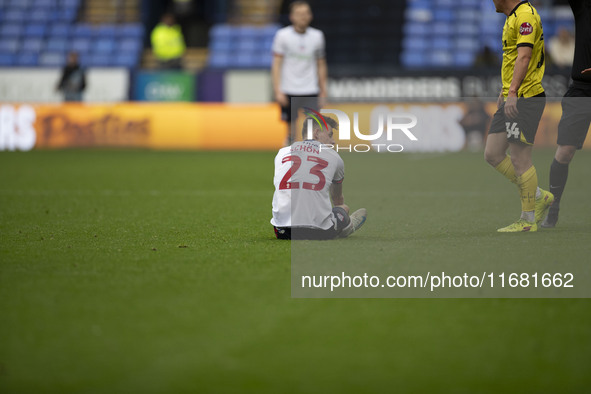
205,126
210,85
37,85
162,86
254,86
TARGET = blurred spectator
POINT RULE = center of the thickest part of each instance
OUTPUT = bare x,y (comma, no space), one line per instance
475,123
486,58
168,43
561,48
73,80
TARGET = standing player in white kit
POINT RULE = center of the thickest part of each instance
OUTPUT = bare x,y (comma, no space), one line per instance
308,175
299,66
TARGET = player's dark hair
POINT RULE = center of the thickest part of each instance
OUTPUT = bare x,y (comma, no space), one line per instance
297,4
329,121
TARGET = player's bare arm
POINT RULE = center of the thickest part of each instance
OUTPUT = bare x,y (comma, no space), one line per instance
336,194
280,97
524,55
322,77
586,71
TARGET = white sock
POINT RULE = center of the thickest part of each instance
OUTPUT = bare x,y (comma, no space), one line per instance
538,193
528,216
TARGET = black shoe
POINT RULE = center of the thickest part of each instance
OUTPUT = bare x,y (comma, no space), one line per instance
550,221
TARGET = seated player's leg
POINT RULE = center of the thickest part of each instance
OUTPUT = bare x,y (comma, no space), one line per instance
341,214
343,206
282,232
357,219
346,225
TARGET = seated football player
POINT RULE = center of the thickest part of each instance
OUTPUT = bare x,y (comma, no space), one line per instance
308,202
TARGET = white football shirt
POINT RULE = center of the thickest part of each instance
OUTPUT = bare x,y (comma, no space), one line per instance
300,51
304,172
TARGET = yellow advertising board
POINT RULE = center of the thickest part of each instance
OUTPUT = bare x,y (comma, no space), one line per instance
141,125
160,126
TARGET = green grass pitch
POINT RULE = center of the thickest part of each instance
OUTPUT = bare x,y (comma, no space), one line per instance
157,272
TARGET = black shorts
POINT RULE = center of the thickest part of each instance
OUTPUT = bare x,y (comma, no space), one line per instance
294,103
343,221
525,126
576,115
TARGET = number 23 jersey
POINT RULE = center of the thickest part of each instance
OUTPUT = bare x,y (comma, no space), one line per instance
304,173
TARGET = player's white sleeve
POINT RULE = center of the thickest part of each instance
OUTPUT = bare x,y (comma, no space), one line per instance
278,46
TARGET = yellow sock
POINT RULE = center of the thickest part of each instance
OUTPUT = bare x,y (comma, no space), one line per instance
506,168
528,183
